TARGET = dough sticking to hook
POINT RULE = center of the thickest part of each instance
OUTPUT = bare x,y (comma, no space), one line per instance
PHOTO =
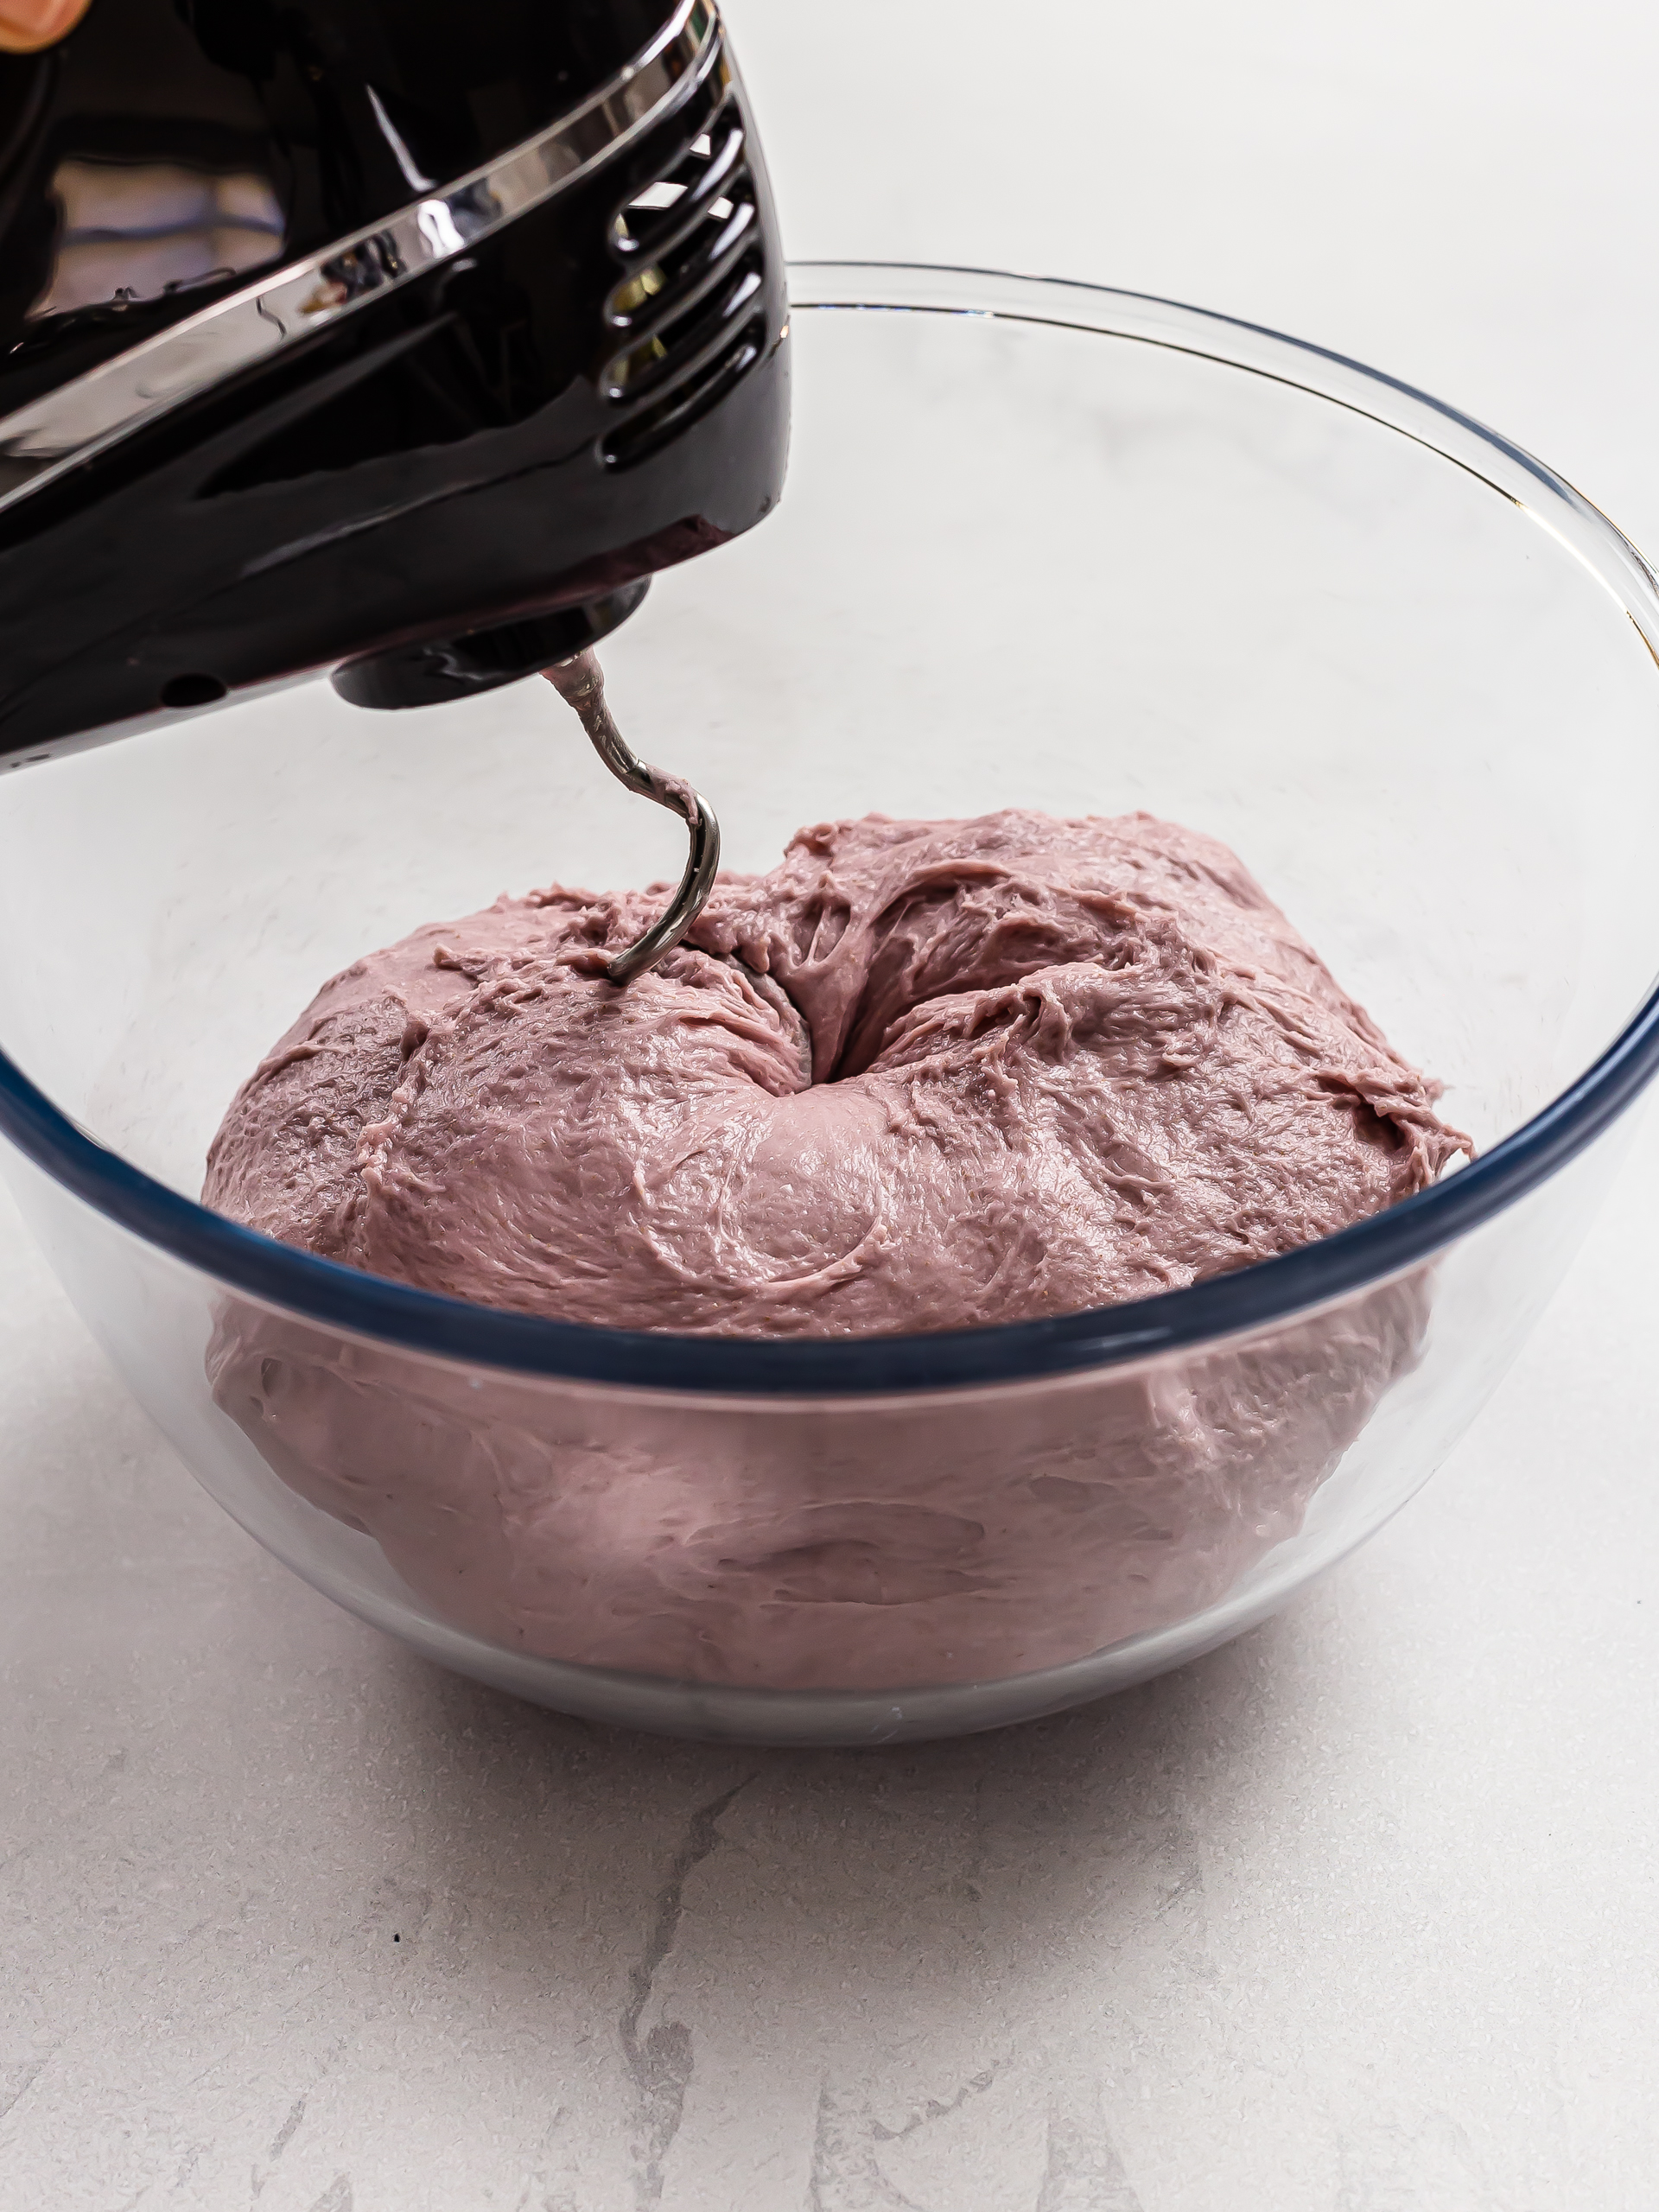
580,683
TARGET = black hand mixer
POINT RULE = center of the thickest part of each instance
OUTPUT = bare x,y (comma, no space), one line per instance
405,339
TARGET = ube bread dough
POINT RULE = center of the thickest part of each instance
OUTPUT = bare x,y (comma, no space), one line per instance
860,1545
921,1076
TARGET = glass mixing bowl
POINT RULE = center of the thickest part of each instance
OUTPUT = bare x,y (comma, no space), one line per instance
1045,546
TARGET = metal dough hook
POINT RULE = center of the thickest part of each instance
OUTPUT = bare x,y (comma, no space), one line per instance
581,684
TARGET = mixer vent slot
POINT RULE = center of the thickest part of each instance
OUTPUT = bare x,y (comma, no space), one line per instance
687,314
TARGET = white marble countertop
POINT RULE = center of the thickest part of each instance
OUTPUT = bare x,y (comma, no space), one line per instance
1359,1915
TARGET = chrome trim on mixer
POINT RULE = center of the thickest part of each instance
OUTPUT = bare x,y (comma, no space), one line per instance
54,433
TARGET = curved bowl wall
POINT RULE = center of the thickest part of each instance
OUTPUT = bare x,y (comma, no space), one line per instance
1044,545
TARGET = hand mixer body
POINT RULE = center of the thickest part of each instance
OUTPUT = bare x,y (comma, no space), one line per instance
407,338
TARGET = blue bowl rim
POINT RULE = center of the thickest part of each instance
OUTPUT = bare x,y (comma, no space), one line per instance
1254,1297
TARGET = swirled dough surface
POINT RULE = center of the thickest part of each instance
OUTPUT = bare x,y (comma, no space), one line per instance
921,1076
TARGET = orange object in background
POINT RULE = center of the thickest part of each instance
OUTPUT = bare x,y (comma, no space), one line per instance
27,25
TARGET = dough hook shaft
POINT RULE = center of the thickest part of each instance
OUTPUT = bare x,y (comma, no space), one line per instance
580,683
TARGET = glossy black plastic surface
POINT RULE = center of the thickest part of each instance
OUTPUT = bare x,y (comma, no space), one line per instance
459,668
591,393
167,149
